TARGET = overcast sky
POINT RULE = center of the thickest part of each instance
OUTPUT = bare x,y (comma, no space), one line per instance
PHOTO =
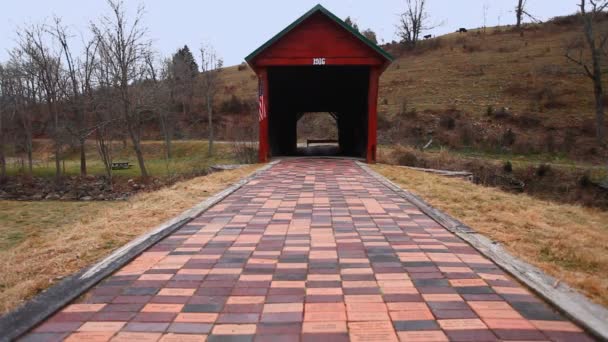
236,28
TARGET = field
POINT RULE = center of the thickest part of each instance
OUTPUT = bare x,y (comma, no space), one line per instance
569,242
188,157
40,242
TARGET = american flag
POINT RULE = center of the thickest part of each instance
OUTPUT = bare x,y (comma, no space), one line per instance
262,113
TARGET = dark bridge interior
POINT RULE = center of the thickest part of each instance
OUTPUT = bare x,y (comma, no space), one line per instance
340,90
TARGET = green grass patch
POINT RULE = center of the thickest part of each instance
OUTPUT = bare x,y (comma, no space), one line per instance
188,157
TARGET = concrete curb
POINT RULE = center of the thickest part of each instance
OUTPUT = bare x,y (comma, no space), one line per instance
593,317
24,318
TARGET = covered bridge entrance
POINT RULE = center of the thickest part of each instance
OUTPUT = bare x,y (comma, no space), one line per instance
318,64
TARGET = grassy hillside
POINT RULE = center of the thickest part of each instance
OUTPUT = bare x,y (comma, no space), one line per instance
469,89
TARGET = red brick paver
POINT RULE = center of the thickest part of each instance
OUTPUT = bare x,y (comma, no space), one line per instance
312,250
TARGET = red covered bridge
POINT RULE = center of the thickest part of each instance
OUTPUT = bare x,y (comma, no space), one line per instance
318,64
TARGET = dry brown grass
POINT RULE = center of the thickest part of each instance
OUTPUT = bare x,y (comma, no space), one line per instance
473,71
469,73
52,249
566,241
454,76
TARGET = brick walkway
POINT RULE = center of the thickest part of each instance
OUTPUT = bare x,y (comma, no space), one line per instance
312,250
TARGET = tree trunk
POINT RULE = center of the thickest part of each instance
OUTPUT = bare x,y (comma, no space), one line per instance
53,112
2,158
519,12
599,106
138,152
167,135
2,163
83,158
596,76
210,123
104,152
29,147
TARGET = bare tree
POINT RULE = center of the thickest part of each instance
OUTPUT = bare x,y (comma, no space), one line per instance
211,65
590,11
123,47
413,22
79,72
172,84
4,113
103,108
486,7
521,12
158,99
21,90
47,64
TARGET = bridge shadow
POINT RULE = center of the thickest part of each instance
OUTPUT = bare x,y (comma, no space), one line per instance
319,151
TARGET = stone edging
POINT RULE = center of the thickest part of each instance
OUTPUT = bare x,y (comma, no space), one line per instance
591,316
33,312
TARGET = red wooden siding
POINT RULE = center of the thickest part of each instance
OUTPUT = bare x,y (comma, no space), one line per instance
372,112
318,37
263,145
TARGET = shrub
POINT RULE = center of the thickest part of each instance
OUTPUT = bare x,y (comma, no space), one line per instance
244,134
447,122
490,110
384,123
508,138
245,152
405,156
543,170
585,180
405,112
547,98
507,167
407,159
466,134
234,105
242,66
502,113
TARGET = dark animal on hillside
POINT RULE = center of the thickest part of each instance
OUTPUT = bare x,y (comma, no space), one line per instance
462,30
428,36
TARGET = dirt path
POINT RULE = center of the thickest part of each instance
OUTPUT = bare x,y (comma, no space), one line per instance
312,250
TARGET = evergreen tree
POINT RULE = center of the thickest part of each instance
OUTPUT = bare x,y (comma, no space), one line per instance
352,23
183,58
183,71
